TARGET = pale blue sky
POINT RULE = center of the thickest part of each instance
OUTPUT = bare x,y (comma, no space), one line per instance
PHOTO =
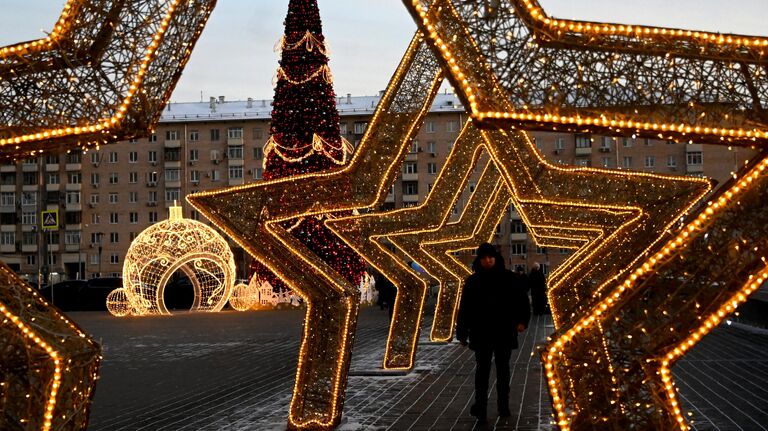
234,56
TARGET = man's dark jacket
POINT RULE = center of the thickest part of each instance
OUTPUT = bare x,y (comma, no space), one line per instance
493,303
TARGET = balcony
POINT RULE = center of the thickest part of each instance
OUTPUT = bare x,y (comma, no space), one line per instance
29,167
29,248
172,164
172,143
7,248
390,198
51,167
73,167
235,141
518,236
694,169
74,187
411,177
52,187
411,157
235,162
236,181
410,198
583,151
8,168
9,188
53,248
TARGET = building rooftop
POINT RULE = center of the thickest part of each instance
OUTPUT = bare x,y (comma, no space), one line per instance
222,110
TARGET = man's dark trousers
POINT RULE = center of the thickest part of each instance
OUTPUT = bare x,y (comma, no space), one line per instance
483,357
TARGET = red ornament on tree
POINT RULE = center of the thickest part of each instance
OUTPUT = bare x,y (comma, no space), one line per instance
305,135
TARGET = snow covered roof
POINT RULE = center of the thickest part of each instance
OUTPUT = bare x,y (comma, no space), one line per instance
221,110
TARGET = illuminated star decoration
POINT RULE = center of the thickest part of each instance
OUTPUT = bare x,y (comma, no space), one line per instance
363,233
581,76
103,74
50,366
251,216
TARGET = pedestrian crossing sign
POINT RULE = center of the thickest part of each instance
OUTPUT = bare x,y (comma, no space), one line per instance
50,220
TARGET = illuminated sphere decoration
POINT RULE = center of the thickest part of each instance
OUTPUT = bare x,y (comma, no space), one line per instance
178,244
244,296
118,304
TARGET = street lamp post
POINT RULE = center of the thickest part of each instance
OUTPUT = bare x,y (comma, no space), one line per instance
99,235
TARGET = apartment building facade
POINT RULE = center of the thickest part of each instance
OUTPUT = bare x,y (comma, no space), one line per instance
105,197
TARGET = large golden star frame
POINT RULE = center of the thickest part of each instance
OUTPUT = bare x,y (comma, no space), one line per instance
609,367
104,73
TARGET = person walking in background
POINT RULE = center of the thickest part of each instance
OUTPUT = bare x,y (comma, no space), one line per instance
538,283
494,308
387,292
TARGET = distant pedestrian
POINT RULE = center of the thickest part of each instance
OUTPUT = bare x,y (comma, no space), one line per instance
387,292
494,308
538,283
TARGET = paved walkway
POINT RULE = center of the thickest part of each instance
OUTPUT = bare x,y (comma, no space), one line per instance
234,371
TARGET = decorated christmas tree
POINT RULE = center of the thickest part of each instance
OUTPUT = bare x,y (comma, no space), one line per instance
305,134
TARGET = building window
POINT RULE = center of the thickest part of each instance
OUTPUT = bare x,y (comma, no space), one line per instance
235,133
215,135
72,237
172,195
257,173
112,157
94,259
560,144
258,153
564,251
8,238
95,178
73,198
235,172
215,175
518,248
606,142
75,177
258,133
114,258
414,147
30,198
133,157
694,158
95,158
517,226
235,152
152,156
606,162
432,168
52,159
31,259
541,250
194,155
134,217
342,128
53,178
153,216
29,217
451,126
194,136
671,161
151,178
627,162
133,197
95,218
647,142
114,238
429,127
194,176
113,198
410,168
8,199
360,127
431,148
650,161
582,162
73,158
113,177
410,188
171,135
583,141
152,197
29,238
133,177
29,179
153,137
627,142
113,218
172,175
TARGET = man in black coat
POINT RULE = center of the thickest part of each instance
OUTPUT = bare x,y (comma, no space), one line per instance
494,308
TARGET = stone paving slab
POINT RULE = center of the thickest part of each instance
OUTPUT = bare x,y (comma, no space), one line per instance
234,371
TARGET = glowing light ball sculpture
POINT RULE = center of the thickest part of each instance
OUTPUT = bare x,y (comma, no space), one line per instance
245,296
178,244
118,304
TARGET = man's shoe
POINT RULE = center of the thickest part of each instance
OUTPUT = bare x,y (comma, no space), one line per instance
478,412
